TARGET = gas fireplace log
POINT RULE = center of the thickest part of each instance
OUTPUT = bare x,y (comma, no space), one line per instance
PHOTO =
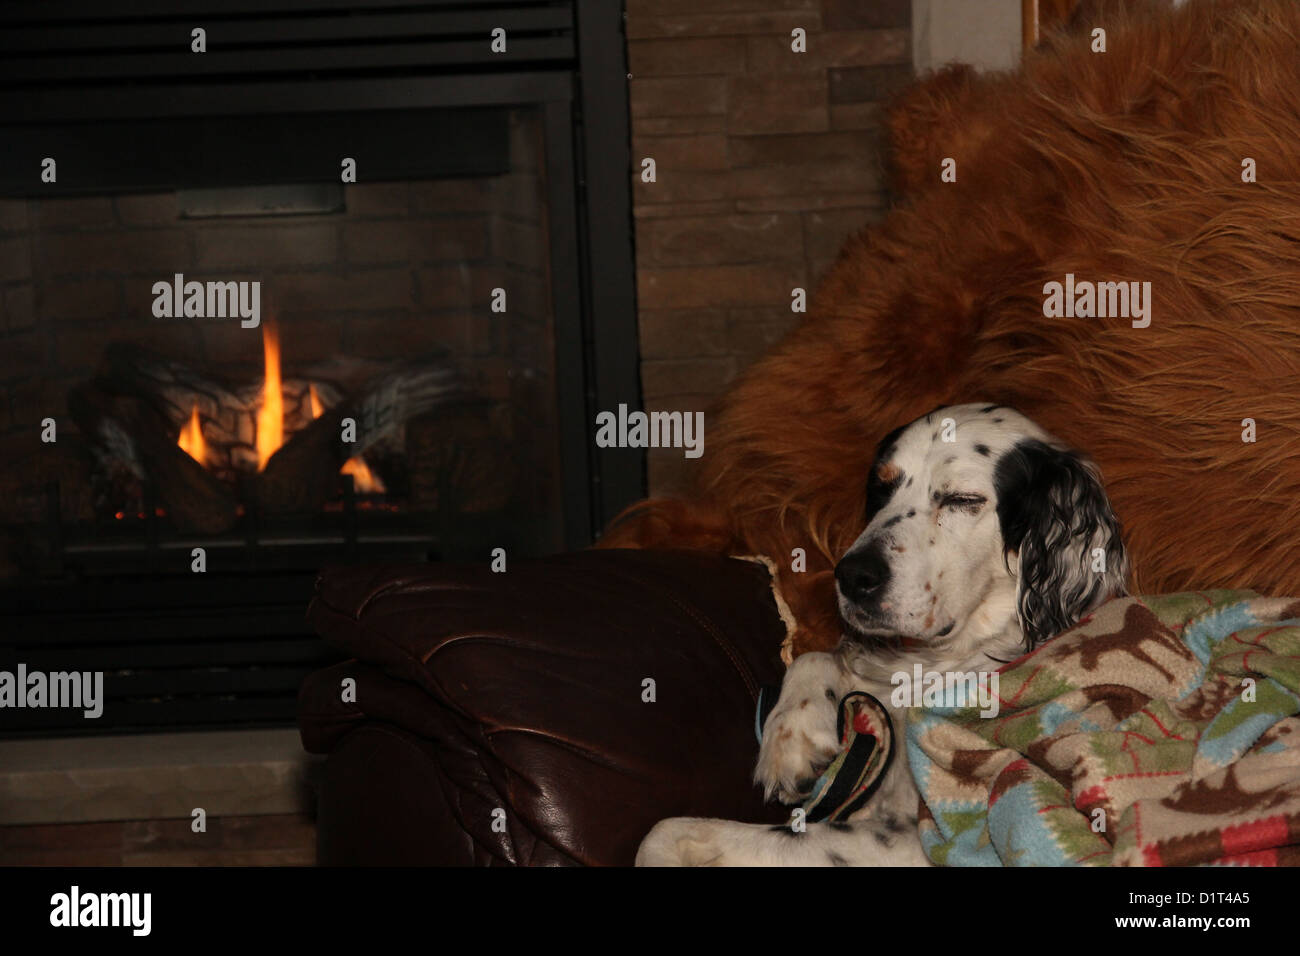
458,461
304,473
382,397
162,395
196,501
228,412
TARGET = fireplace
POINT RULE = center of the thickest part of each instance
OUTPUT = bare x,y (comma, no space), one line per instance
290,365
348,285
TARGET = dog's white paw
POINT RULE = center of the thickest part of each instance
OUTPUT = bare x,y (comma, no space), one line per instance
800,738
682,841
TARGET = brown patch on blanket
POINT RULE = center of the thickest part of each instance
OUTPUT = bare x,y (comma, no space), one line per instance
1121,701
1139,638
1018,771
1230,798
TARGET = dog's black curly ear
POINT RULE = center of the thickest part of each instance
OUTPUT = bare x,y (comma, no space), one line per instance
1058,522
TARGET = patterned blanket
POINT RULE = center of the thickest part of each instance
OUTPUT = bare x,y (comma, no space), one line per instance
1160,731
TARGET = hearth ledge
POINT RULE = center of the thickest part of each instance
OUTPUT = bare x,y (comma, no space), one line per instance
154,776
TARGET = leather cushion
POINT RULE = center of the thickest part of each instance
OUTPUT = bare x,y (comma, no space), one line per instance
529,684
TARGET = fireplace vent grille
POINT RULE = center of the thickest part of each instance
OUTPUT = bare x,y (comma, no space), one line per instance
66,45
217,653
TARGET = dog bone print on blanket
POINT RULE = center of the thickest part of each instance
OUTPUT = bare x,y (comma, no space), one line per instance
1130,740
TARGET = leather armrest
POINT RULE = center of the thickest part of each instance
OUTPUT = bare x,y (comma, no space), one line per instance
528,687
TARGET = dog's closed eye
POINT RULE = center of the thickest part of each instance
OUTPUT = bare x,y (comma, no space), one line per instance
970,503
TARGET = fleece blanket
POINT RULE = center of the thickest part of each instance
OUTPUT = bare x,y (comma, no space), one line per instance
1160,731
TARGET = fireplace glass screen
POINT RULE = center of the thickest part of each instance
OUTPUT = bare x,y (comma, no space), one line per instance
281,371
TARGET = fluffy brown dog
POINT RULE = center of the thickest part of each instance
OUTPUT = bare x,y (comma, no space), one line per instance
1118,166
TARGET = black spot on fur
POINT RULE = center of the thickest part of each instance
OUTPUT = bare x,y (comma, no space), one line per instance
997,421
878,491
786,829
892,521
836,860
946,631
839,826
830,693
909,483
988,408
911,512
981,449
887,444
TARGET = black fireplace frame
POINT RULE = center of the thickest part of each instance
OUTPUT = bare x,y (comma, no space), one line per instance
228,648
566,57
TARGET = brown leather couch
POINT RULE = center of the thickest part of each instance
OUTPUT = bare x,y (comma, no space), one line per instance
499,717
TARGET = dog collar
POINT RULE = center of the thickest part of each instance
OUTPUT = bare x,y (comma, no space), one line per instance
866,751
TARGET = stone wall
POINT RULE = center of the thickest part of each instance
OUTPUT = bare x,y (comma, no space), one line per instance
765,161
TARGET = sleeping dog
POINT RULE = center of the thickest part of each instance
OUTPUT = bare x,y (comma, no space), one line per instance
985,536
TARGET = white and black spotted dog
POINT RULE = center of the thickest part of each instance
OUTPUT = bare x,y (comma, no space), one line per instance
981,542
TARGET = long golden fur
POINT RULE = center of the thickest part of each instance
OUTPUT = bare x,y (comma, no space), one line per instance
1117,166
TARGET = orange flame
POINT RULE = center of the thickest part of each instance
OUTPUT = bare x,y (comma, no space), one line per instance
191,440
363,479
270,422
270,417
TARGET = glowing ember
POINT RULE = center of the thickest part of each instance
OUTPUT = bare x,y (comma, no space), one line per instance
191,440
317,409
270,418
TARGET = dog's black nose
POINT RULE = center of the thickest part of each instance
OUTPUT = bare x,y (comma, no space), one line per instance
860,574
